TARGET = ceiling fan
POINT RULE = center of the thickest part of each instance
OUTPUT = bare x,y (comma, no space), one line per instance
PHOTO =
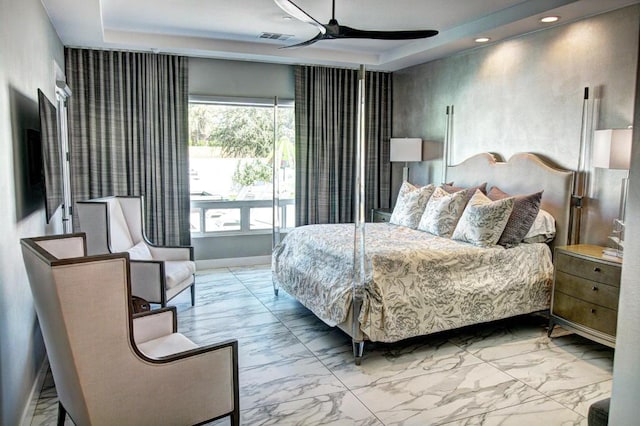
333,30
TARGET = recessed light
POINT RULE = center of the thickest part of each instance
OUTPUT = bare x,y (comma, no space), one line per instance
482,39
549,19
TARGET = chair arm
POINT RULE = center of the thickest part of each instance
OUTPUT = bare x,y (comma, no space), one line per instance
210,373
153,324
171,252
233,344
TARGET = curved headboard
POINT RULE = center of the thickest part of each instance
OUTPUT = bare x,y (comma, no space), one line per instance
524,173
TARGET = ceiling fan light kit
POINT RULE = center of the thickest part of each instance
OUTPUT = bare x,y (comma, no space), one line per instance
333,30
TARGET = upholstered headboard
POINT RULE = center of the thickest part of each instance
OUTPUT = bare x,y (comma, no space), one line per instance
524,173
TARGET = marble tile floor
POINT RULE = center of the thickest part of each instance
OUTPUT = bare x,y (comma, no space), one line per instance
295,370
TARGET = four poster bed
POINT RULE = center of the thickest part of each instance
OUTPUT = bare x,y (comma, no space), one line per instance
417,283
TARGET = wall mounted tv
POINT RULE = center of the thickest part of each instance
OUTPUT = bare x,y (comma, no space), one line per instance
51,155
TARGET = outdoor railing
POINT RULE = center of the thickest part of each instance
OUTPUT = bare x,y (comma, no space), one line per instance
222,217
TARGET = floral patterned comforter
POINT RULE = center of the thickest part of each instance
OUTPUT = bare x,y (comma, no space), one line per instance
416,284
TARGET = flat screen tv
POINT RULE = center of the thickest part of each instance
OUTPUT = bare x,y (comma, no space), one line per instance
51,155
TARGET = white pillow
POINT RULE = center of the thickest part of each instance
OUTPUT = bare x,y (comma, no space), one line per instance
410,204
140,252
442,212
483,220
543,229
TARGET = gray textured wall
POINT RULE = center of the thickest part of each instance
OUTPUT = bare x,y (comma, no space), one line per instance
626,369
28,48
215,77
526,94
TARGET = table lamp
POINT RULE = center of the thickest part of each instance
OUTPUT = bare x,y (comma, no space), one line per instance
405,150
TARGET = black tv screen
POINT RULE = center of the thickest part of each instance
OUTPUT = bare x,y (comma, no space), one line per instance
51,155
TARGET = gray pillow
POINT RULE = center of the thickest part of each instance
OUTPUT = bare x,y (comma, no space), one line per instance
525,210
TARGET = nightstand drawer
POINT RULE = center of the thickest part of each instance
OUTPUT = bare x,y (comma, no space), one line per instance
584,313
600,272
590,291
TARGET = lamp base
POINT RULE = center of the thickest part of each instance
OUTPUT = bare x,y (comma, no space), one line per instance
405,173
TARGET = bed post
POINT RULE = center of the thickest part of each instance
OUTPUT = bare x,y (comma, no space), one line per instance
275,208
359,264
358,339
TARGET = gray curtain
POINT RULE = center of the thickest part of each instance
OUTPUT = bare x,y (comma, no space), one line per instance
326,120
128,130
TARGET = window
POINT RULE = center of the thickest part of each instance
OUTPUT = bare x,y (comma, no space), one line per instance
231,160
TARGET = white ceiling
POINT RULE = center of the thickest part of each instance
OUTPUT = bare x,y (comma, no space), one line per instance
230,28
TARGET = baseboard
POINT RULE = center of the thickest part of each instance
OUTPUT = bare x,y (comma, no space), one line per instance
232,262
30,408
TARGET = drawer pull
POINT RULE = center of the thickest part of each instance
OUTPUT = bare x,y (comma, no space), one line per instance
596,269
593,311
594,288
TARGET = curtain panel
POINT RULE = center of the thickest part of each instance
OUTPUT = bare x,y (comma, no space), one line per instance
128,131
326,124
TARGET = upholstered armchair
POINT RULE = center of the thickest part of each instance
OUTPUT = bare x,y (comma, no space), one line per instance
115,224
111,367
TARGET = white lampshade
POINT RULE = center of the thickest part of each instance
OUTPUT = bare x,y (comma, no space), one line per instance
612,149
406,149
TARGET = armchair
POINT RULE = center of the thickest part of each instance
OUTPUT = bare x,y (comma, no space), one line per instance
112,367
113,225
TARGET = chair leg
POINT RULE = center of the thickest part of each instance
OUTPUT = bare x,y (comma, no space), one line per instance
234,418
62,414
193,294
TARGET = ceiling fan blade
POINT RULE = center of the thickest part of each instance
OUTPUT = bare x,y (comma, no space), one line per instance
348,32
294,10
320,36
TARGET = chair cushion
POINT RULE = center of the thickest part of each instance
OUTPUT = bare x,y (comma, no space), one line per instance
177,271
166,345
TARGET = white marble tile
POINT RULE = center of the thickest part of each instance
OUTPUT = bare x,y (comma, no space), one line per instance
270,348
252,273
297,317
215,276
243,303
390,362
579,400
216,272
281,302
505,339
558,370
286,380
445,396
321,339
337,409
534,413
229,327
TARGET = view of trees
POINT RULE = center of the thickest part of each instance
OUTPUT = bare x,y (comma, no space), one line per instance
245,133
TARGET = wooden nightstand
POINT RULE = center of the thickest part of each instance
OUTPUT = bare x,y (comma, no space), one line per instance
381,215
586,286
